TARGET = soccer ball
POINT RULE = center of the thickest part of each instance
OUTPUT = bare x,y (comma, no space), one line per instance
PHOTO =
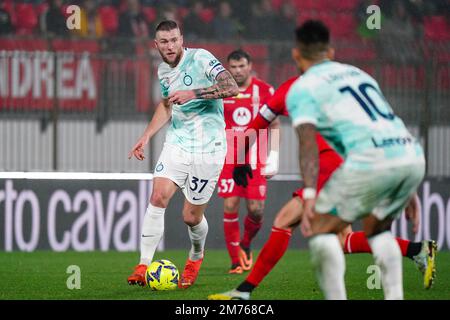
162,275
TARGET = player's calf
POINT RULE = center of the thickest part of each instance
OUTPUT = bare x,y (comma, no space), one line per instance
388,257
328,259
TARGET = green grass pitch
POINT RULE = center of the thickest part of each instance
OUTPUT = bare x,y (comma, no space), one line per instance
42,275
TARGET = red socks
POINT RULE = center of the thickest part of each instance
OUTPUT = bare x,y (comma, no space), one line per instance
356,242
403,245
251,228
270,254
232,235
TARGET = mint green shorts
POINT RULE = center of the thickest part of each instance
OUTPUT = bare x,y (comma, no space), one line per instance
353,194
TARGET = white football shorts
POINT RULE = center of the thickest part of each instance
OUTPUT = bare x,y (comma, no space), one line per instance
195,173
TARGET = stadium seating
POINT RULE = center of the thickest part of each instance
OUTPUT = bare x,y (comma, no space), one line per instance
436,28
276,4
400,76
344,5
64,10
207,15
327,17
109,19
356,50
183,12
8,6
318,5
306,15
122,6
26,19
149,13
344,26
338,15
443,78
41,8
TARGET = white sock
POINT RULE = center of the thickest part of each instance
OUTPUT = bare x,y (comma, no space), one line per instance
388,257
198,238
328,259
152,231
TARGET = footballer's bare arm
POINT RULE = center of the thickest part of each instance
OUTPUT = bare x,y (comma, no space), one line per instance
162,115
309,154
225,87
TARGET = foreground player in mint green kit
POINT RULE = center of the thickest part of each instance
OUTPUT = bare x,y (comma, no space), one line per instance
383,164
193,84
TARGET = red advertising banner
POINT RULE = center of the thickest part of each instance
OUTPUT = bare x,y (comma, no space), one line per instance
34,74
37,74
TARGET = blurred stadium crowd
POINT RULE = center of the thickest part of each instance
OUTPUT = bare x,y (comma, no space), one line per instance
227,20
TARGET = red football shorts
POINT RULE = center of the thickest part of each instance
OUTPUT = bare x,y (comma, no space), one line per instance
256,189
329,161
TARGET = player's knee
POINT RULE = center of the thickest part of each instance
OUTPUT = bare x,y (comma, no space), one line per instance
256,210
159,199
256,215
281,222
230,205
342,235
283,227
190,218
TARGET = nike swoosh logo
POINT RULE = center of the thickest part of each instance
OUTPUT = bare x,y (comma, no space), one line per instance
149,236
194,198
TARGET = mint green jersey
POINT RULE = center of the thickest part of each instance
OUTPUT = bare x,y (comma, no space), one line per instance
197,126
348,109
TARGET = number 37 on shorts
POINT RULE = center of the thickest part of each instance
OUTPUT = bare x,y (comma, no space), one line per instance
225,186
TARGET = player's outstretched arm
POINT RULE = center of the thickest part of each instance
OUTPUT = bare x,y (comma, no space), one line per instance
225,87
160,117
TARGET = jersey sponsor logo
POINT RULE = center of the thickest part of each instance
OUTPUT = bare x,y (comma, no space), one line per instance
187,80
388,142
212,62
242,116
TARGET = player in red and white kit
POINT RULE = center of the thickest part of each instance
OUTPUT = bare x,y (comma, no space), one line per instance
239,111
289,217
